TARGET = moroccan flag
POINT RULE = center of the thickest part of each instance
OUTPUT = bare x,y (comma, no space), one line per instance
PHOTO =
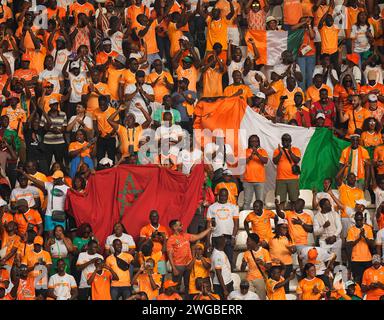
130,192
320,149
272,43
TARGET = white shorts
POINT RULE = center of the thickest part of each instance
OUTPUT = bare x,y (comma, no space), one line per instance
234,35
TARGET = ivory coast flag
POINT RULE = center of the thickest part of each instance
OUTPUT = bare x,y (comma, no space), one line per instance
271,44
320,149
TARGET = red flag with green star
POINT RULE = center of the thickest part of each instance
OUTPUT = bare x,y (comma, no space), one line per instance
129,192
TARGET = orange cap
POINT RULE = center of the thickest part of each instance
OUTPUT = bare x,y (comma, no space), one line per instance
46,84
38,240
169,283
312,255
26,57
354,57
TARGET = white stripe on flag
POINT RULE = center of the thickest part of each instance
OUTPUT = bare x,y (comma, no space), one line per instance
277,42
270,137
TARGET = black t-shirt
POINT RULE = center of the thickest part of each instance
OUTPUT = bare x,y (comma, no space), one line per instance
35,146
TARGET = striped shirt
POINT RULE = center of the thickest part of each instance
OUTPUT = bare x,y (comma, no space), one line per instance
57,122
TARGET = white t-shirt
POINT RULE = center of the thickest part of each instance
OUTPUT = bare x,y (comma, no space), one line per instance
83,258
59,197
53,76
224,213
61,58
379,196
173,132
319,70
218,162
237,295
220,261
131,88
380,241
117,41
11,59
239,66
188,159
87,121
58,249
322,257
358,34
29,193
126,239
77,83
250,80
62,285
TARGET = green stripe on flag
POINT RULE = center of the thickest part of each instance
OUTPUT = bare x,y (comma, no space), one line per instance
321,159
295,39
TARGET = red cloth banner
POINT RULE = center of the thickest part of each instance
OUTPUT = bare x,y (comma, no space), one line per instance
130,192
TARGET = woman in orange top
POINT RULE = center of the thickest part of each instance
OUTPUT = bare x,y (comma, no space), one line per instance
238,88
281,247
310,287
80,151
200,267
276,282
344,89
371,136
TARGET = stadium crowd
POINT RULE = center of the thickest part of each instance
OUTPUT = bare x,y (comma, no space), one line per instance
83,81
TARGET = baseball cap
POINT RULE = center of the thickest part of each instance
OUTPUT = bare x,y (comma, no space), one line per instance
169,284
312,255
74,64
105,161
376,258
349,283
227,172
38,240
120,59
184,38
270,18
53,101
107,41
320,115
282,221
46,83
354,135
60,38
260,95
372,98
362,202
200,245
13,95
58,174
188,59
26,57
353,57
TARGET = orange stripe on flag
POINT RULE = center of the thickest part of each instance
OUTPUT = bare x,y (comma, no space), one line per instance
224,113
260,38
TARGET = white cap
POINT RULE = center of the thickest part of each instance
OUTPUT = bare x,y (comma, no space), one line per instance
320,115
184,38
3,202
349,283
105,161
260,95
74,64
372,98
270,18
53,101
282,221
362,202
227,172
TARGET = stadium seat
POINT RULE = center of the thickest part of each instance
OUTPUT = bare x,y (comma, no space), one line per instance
307,196
236,281
241,240
291,296
240,199
270,199
367,197
243,214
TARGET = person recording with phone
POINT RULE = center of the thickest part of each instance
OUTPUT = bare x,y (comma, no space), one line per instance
287,158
